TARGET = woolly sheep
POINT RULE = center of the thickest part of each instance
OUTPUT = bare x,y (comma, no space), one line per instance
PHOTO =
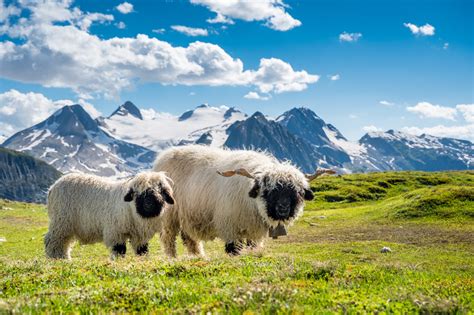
92,209
268,194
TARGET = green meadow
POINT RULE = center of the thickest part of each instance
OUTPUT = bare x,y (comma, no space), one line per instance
331,261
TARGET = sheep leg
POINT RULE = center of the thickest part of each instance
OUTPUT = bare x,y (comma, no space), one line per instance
119,250
233,248
169,232
251,244
141,249
168,238
194,247
58,245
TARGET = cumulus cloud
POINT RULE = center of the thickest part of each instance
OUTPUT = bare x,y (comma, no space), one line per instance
425,30
125,8
334,77
386,103
463,131
349,37
275,75
55,51
255,96
467,111
271,12
190,31
428,110
121,25
21,110
459,132
371,128
6,11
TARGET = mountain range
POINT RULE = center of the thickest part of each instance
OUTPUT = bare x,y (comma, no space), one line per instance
129,139
24,178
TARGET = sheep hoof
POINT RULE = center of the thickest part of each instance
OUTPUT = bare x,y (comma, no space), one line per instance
119,250
232,249
142,250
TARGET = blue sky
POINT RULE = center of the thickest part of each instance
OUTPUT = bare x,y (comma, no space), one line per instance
425,77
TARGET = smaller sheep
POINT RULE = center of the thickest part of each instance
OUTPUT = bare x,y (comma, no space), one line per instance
92,209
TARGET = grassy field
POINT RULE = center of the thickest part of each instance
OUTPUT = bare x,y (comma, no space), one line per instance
330,262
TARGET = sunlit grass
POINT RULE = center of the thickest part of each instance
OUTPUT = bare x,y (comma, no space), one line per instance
331,260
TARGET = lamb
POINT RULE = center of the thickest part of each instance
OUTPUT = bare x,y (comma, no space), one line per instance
92,209
212,202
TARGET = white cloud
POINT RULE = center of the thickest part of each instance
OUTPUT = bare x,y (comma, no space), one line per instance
190,31
219,18
275,75
458,132
6,11
349,37
428,110
125,8
371,128
425,30
334,77
445,46
255,96
66,55
158,30
386,103
467,111
272,12
121,25
21,110
353,116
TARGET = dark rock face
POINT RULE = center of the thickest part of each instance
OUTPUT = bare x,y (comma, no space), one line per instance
258,133
128,108
24,178
205,139
399,151
305,124
70,140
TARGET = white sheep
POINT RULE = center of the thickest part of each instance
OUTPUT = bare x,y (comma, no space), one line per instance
233,208
92,209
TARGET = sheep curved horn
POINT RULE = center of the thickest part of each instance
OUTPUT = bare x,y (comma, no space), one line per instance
239,171
318,173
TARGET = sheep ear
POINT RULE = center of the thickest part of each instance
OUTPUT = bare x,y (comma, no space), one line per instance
129,196
167,195
253,193
308,194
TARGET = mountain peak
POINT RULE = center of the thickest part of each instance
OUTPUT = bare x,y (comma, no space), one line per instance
128,108
72,119
258,115
230,111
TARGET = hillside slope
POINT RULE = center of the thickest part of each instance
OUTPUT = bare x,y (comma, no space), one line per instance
24,178
331,261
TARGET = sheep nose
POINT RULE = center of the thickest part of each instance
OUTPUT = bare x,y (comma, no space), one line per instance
283,209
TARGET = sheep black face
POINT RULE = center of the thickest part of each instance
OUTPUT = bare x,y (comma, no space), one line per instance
281,200
149,203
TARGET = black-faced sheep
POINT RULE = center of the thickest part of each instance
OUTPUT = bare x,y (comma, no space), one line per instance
233,208
92,209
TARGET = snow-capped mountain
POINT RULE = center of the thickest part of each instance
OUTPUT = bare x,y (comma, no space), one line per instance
260,133
158,131
394,150
128,140
70,140
326,140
